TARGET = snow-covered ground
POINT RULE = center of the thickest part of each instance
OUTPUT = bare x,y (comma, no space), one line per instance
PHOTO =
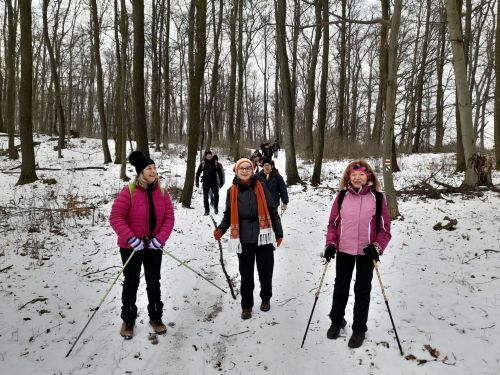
443,286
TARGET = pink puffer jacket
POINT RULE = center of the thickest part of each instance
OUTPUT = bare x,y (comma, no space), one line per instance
130,217
355,226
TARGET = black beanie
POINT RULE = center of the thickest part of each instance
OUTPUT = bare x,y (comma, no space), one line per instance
139,161
208,152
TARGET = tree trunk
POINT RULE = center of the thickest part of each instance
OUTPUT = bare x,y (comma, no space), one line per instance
463,95
390,110
196,56
123,88
10,62
55,77
141,129
497,89
28,173
441,50
379,110
310,98
318,161
292,173
100,84
232,80
239,98
340,114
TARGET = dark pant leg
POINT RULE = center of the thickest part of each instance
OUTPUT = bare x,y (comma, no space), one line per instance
265,266
206,189
215,190
246,266
344,268
152,267
131,273
362,288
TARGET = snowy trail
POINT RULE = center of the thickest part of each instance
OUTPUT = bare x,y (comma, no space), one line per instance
442,288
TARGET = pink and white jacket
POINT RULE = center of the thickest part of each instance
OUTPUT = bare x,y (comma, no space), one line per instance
130,217
354,227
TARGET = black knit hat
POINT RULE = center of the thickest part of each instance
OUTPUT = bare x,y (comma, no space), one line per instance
139,161
208,152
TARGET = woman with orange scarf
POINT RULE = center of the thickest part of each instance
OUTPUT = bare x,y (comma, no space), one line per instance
254,223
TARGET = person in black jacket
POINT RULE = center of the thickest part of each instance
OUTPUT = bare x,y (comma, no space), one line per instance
255,225
211,175
270,176
276,148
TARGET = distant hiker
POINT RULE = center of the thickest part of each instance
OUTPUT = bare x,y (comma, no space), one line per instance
276,148
359,230
142,216
257,162
267,152
255,225
220,181
210,180
270,176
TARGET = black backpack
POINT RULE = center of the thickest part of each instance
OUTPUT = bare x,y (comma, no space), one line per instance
379,197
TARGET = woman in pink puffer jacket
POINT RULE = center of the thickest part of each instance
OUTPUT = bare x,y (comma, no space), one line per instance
143,220
358,237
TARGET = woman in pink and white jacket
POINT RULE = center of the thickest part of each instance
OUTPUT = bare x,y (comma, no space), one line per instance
358,232
143,218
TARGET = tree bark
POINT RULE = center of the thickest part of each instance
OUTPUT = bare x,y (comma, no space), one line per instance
497,89
100,83
196,56
390,110
28,173
141,129
463,95
10,62
292,173
318,161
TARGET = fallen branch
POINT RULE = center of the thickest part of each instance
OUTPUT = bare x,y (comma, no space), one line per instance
6,268
91,273
234,334
39,299
485,251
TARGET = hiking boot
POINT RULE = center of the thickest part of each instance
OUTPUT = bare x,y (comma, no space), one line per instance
158,326
207,213
265,306
246,314
356,340
127,330
334,330
216,210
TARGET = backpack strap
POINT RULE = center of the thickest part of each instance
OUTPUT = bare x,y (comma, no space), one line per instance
342,194
131,188
379,198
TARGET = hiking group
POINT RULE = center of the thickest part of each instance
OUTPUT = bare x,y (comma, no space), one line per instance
358,231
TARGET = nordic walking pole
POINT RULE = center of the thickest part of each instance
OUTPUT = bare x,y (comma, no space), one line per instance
222,262
183,263
315,300
102,300
387,304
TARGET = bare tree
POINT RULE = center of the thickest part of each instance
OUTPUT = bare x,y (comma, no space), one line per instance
141,129
10,61
28,173
292,173
100,85
196,56
497,88
463,95
390,103
316,177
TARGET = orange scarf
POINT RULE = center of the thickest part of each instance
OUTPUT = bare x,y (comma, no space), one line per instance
266,234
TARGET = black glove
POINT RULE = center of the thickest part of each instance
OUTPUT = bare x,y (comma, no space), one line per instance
330,251
372,252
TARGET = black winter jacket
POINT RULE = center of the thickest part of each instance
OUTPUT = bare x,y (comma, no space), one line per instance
248,212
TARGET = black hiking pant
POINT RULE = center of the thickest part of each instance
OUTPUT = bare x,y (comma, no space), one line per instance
264,255
206,191
362,287
151,259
